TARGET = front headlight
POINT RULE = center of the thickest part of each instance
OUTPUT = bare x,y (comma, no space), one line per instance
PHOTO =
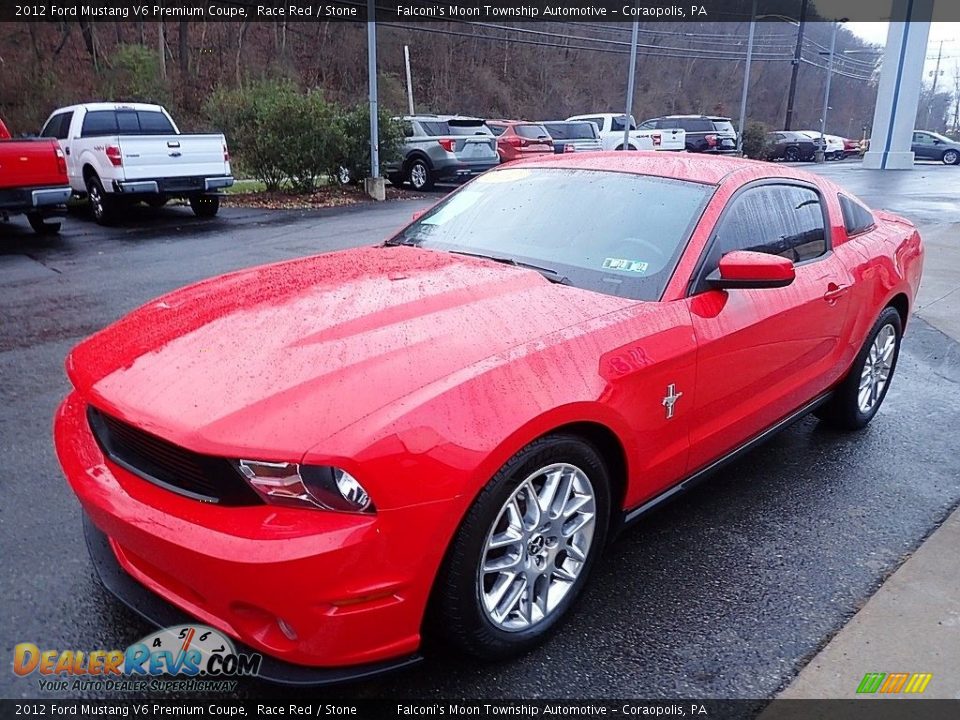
316,486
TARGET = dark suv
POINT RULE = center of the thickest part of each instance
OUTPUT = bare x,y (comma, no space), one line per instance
705,133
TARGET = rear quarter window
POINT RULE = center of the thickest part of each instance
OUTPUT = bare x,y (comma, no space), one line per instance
856,218
154,123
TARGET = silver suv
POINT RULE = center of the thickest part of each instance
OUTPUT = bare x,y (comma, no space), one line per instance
443,148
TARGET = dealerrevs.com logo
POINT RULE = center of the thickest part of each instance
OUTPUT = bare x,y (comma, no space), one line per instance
181,657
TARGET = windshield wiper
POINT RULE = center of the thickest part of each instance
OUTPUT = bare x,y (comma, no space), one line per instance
551,275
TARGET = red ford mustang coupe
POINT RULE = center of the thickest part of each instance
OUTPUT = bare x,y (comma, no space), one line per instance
330,457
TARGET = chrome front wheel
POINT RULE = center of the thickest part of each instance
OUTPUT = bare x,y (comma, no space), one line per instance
537,547
524,550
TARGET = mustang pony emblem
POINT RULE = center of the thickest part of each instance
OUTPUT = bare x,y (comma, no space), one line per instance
670,399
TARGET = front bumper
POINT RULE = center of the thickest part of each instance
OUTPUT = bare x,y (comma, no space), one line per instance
155,611
353,587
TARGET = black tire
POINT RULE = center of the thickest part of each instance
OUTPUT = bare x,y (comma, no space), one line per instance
419,175
843,410
791,154
41,226
457,616
951,157
101,204
205,206
156,201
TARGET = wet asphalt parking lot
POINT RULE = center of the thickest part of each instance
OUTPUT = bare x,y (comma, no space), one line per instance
726,592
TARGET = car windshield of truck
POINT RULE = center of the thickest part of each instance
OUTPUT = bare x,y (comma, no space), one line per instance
614,233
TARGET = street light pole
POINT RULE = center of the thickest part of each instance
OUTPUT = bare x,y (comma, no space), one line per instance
746,78
631,77
372,75
819,155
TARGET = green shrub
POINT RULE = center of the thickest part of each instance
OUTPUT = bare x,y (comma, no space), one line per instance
276,133
352,129
755,141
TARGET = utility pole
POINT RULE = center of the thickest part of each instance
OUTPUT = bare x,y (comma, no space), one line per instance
746,78
797,54
933,89
406,62
820,153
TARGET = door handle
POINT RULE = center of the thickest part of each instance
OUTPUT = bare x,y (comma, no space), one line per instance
835,292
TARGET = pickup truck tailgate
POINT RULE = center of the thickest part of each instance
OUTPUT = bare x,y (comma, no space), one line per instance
30,163
148,157
672,139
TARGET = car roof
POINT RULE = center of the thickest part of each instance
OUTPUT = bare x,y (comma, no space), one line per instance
94,106
710,170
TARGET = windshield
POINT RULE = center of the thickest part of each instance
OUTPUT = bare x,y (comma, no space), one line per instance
609,232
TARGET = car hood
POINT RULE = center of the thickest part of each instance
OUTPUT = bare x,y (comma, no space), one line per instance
276,358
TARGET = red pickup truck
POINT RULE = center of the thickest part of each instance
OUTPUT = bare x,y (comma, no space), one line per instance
33,180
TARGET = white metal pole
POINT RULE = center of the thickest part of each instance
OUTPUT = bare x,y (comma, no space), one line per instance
406,61
372,73
746,78
631,77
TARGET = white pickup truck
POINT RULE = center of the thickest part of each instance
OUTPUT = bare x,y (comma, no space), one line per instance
611,127
129,152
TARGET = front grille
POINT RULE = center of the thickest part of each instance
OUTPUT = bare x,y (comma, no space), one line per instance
201,477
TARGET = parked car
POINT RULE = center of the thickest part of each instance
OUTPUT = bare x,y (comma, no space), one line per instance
443,148
851,147
518,139
327,457
789,145
33,180
933,146
128,152
577,136
703,133
833,144
611,127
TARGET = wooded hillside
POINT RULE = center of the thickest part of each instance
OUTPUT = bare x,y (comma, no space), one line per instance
533,70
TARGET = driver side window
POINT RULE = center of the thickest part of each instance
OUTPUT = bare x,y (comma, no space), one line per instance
785,220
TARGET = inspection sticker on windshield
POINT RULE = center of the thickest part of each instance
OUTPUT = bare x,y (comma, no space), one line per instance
636,266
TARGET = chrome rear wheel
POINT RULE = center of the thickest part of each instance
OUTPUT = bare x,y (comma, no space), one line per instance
876,369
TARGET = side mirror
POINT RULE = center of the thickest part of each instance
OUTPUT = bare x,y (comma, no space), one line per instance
751,270
937,141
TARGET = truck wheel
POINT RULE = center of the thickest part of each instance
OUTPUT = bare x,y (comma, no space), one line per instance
100,203
205,206
41,226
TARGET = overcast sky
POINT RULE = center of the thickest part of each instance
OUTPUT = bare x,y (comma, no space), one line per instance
948,32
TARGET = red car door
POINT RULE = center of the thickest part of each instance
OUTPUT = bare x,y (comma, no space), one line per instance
763,353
